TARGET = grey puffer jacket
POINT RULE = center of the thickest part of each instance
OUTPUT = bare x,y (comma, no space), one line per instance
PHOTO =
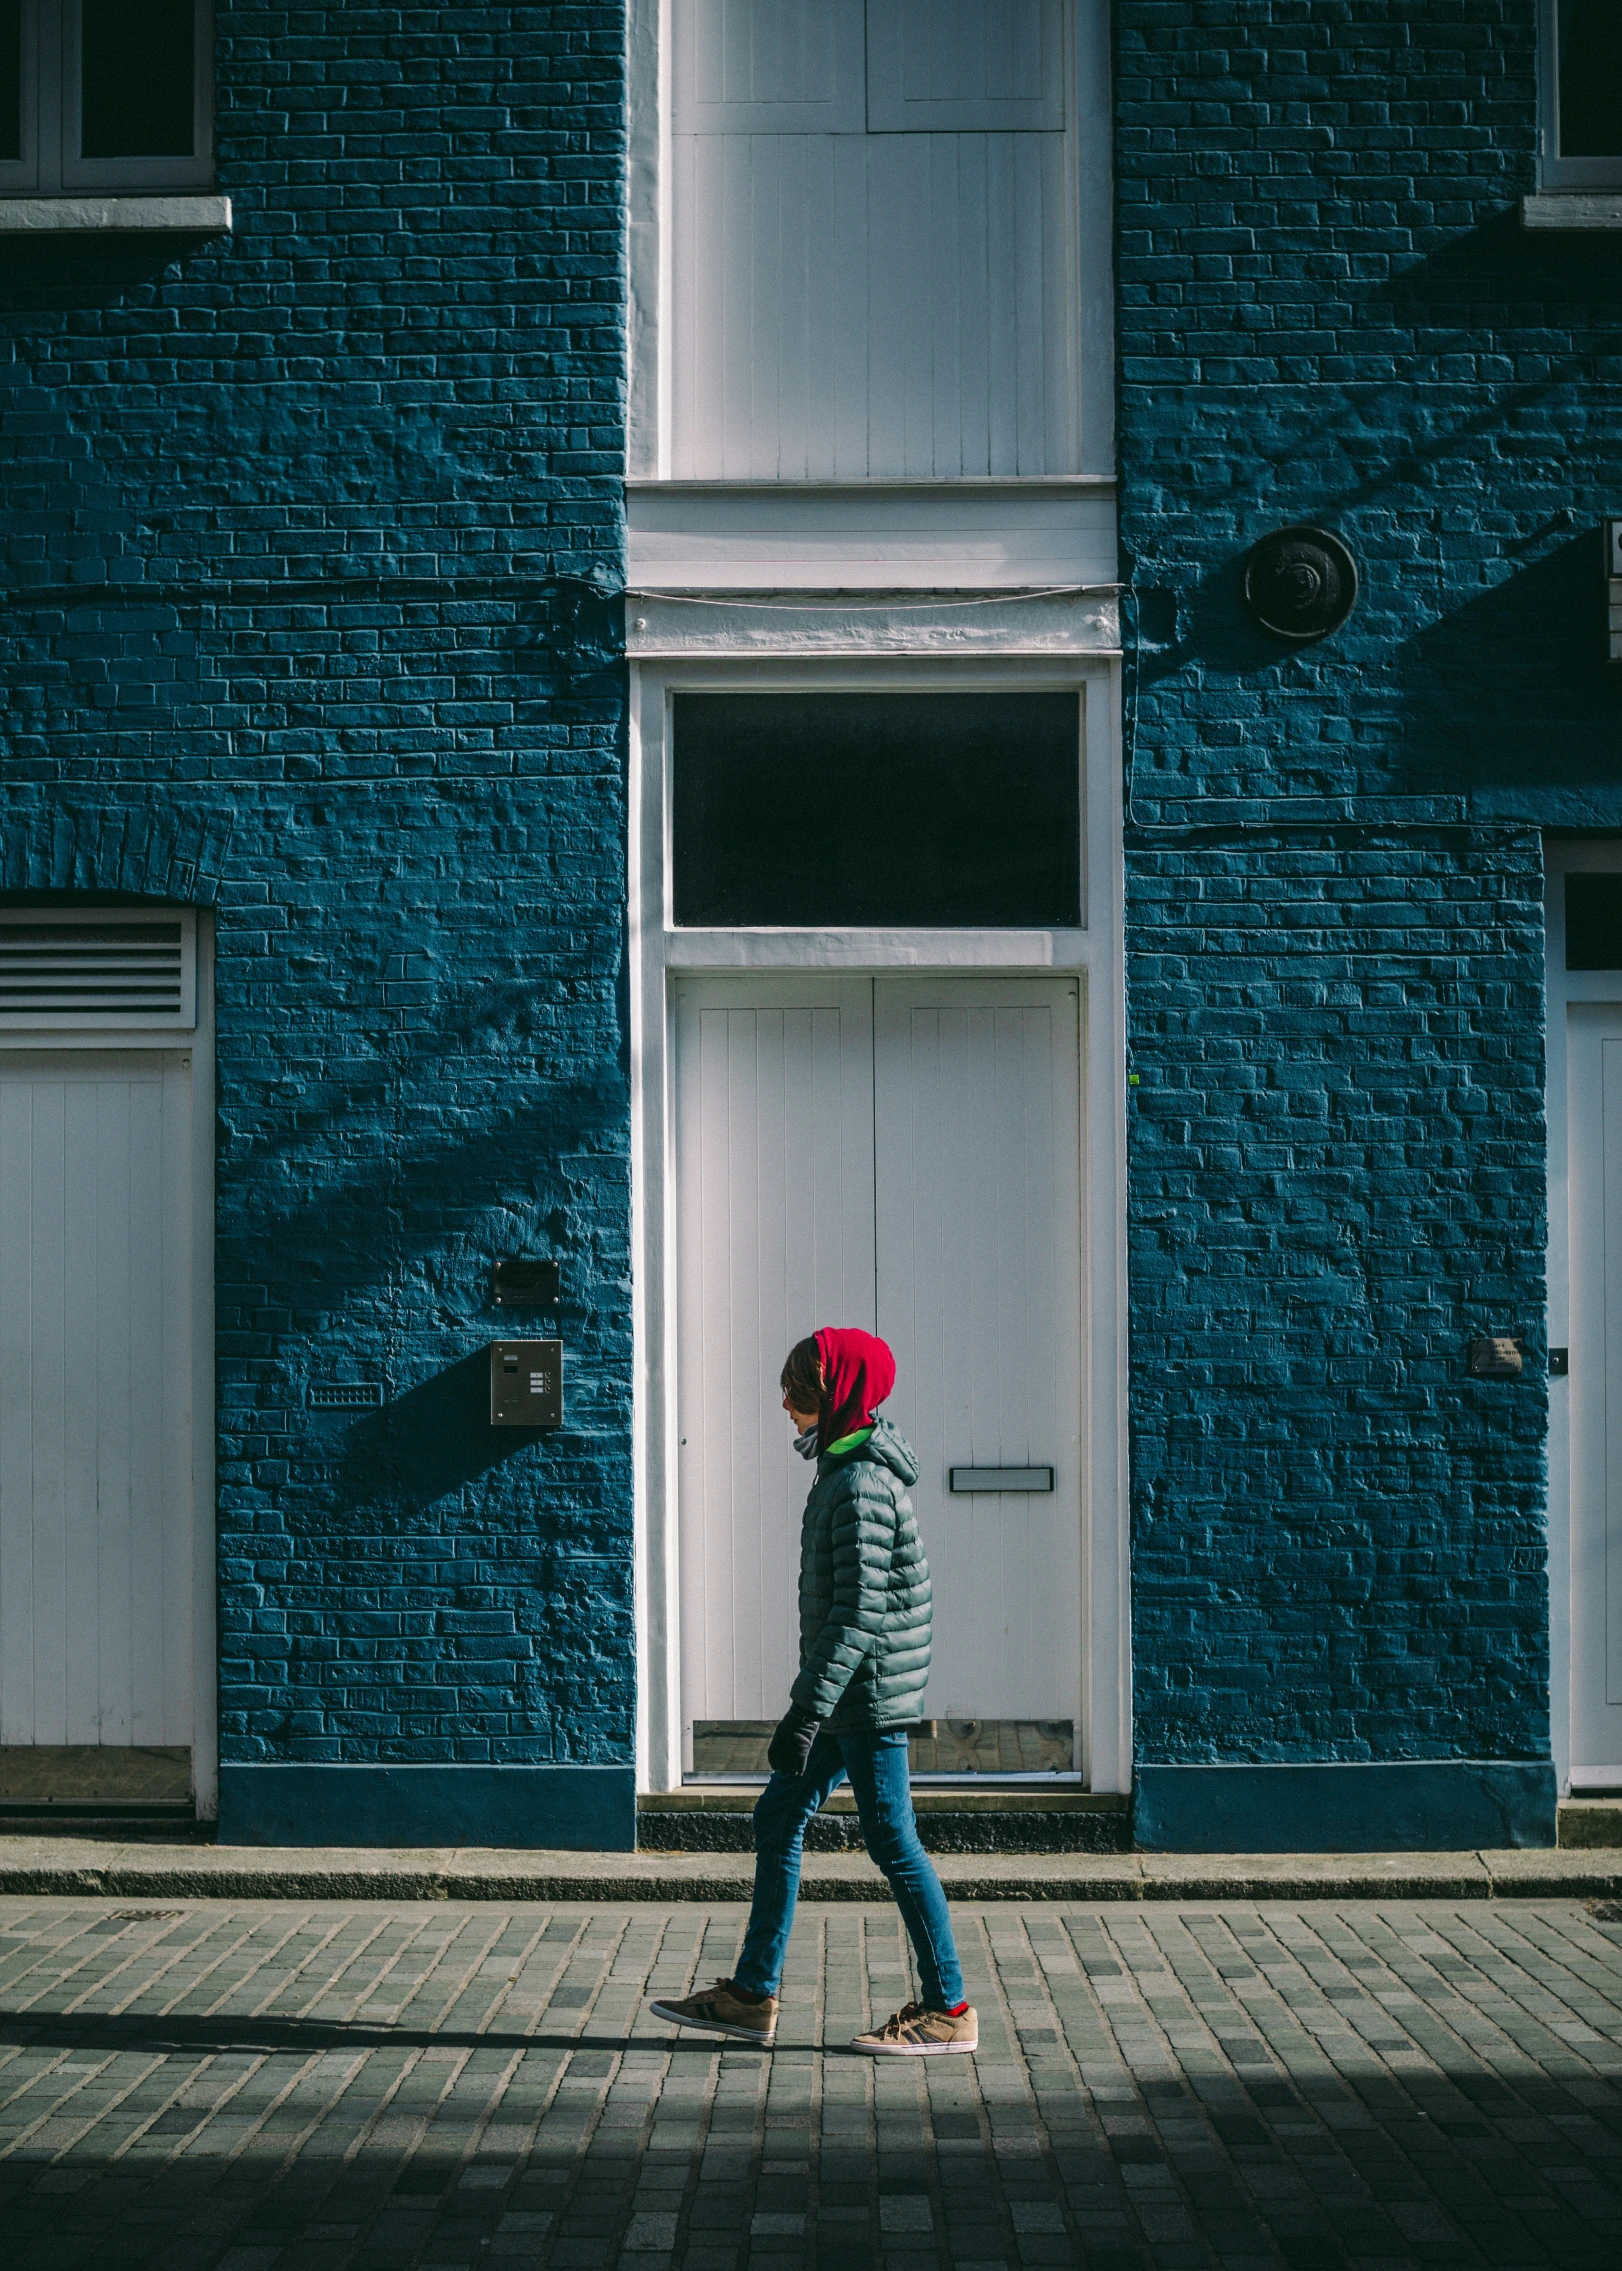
864,1591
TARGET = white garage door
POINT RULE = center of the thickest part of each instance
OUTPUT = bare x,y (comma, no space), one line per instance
96,1598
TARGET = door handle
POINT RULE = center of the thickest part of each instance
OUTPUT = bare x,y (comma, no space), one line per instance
1000,1478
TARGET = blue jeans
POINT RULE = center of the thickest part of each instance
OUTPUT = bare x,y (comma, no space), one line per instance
877,1768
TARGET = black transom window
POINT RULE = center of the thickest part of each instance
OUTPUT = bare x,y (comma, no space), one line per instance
1594,922
932,811
104,94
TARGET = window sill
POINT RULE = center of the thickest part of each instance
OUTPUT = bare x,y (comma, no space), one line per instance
1566,209
93,214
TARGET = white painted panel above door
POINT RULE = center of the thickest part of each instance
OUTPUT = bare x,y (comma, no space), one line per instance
768,66
929,537
883,307
965,66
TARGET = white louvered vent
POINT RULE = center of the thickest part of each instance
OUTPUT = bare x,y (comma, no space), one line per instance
113,968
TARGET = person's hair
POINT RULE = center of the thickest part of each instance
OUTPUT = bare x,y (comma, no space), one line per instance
802,1376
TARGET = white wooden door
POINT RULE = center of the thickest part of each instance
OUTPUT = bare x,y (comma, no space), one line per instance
965,1254
979,1294
1595,1103
95,1390
774,1111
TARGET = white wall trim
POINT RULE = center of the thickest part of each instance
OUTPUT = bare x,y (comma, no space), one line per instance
1023,534
647,65
658,951
1071,621
1093,218
1013,953
74,216
690,485
1561,211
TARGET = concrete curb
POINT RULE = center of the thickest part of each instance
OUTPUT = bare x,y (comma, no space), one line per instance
95,1869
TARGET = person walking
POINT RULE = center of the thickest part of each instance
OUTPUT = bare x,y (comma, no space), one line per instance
864,1662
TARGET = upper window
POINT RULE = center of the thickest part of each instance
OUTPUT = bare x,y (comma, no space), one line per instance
104,94
875,245
1582,94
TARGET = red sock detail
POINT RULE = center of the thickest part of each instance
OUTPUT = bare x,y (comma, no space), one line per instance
957,2010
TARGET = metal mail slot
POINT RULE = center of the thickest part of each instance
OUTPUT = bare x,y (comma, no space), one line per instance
526,1383
1002,1478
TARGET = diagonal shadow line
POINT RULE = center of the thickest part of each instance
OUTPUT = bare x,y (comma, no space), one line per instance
135,2030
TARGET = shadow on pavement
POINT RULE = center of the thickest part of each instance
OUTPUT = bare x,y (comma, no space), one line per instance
140,2030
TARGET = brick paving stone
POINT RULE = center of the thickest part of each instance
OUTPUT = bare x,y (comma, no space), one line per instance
286,2086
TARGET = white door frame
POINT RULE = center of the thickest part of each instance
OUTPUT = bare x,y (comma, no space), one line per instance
657,950
197,1044
1563,857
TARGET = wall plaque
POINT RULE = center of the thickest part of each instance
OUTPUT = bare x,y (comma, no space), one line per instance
522,1284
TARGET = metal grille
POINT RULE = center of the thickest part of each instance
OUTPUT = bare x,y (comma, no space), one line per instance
121,970
344,1395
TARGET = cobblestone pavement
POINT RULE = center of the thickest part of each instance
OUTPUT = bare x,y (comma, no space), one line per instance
311,2086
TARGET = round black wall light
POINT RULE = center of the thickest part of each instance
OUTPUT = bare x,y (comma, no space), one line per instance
1300,583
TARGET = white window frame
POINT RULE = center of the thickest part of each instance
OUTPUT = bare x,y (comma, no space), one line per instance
720,660
50,114
1555,171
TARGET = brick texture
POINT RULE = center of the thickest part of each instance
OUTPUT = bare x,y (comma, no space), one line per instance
309,538
1328,312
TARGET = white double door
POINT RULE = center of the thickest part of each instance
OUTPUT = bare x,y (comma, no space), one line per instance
96,1594
900,1154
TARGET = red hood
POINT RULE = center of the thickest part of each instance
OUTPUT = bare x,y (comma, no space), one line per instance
858,1372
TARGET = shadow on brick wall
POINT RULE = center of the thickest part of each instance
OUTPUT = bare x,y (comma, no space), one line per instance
429,1443
1512,688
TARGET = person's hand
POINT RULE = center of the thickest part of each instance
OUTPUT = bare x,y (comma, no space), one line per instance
790,1747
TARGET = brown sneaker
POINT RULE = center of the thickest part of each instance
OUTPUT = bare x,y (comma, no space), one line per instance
719,2011
917,2033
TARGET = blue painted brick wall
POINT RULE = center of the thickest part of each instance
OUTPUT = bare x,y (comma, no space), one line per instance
1328,312
305,539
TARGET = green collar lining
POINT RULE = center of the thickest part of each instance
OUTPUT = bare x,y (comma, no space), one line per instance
847,1443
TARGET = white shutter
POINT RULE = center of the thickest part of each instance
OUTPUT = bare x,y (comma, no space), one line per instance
768,66
894,304
115,968
965,66
879,307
